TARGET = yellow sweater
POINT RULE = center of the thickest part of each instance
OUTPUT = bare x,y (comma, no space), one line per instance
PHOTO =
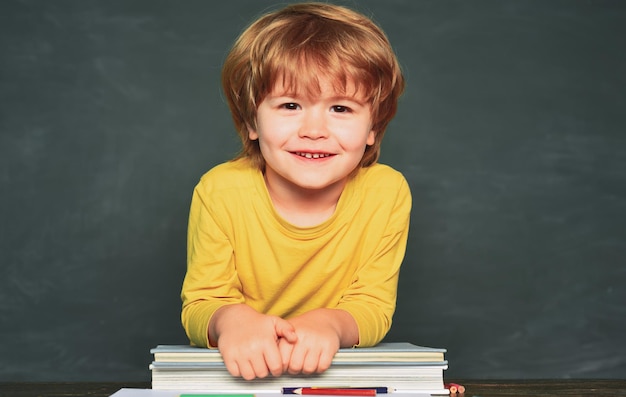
241,251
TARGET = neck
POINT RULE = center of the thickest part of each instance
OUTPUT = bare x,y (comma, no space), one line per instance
304,207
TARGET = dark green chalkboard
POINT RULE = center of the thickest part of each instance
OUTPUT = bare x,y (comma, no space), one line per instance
512,134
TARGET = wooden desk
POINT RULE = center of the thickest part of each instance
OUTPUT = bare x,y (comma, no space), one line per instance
517,388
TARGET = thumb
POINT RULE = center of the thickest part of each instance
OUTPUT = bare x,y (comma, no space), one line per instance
285,330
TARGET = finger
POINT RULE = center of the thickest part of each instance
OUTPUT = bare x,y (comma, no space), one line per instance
296,360
273,361
246,370
285,330
325,360
311,362
232,367
285,348
259,367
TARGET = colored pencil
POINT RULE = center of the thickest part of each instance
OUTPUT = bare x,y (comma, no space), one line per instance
379,390
455,388
334,391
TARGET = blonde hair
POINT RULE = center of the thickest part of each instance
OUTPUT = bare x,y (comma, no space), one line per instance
297,44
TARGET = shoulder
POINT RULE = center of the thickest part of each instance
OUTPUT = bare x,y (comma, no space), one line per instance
380,186
381,176
383,195
237,174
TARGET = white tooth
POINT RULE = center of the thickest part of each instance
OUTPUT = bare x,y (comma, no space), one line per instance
313,155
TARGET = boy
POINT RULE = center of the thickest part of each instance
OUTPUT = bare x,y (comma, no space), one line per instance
294,247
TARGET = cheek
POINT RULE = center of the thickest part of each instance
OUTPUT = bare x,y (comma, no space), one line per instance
359,137
274,131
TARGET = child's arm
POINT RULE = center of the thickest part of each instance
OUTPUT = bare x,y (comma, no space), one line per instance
209,283
371,298
248,340
214,312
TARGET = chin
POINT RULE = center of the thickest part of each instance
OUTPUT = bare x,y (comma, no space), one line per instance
317,185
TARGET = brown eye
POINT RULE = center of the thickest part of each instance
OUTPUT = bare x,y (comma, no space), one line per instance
340,109
290,106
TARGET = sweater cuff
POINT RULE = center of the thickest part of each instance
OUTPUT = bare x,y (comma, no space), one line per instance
372,327
196,318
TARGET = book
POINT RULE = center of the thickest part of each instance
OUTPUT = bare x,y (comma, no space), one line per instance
383,352
423,378
129,392
403,367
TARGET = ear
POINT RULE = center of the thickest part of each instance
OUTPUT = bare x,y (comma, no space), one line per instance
252,134
371,138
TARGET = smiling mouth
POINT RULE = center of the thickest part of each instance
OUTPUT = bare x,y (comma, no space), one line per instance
312,155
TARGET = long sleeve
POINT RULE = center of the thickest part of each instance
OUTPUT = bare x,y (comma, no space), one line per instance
211,280
371,298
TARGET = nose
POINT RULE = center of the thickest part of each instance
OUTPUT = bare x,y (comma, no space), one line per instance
314,125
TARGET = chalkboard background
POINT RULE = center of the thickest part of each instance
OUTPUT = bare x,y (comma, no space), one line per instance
511,135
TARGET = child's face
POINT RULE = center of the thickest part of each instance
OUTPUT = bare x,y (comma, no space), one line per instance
312,142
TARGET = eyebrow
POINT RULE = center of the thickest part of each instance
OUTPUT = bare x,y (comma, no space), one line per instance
294,95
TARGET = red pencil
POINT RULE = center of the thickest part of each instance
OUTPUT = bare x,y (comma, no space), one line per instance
455,387
334,392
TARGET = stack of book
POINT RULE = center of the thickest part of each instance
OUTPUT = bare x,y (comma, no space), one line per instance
396,366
